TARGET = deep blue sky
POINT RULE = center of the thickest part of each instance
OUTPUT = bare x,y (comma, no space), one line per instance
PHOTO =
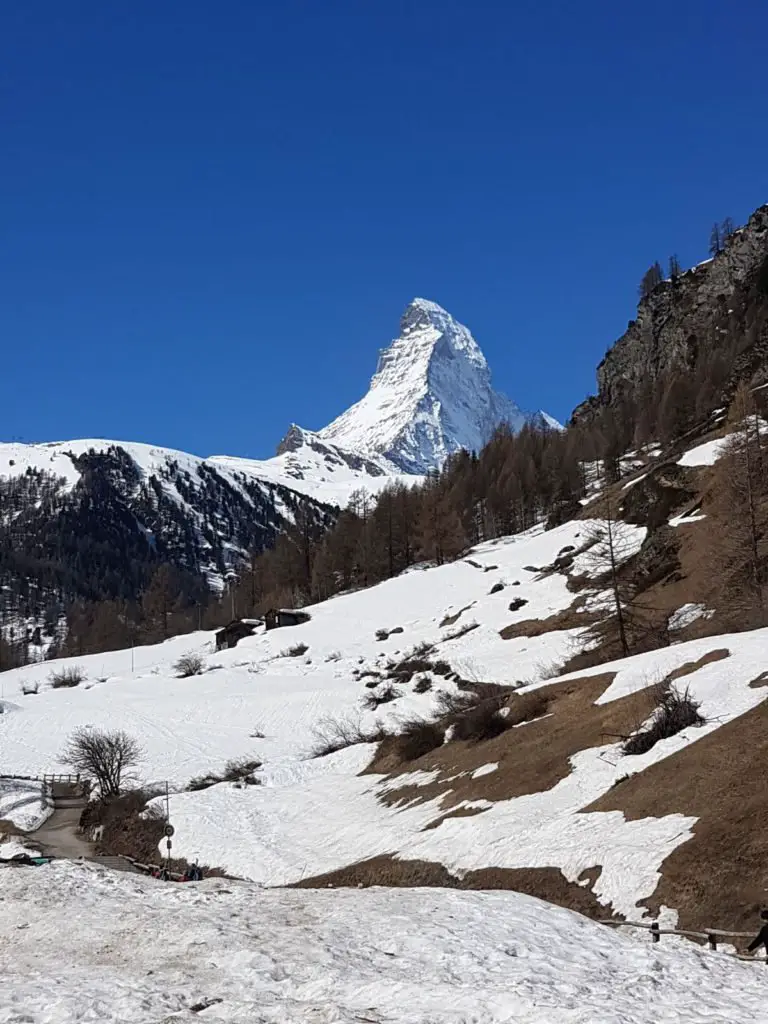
214,213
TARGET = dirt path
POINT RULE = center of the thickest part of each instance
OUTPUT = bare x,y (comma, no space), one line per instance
58,835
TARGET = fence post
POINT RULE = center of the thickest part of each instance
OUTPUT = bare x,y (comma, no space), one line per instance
712,940
655,936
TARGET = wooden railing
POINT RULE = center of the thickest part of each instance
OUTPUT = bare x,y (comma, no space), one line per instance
69,779
710,935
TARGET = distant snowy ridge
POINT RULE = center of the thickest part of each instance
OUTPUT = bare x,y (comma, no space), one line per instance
431,395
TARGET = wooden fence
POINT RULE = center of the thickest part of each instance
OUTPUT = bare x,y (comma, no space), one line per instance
710,935
68,779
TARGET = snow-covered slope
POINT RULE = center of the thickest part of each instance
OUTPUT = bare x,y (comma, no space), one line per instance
270,699
431,395
86,944
321,470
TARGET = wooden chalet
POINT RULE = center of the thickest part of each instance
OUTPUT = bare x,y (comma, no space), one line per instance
234,632
278,617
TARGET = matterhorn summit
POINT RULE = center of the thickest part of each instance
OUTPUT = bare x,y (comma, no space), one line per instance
431,395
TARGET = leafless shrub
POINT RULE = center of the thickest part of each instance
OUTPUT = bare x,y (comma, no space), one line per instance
417,737
29,688
382,634
481,722
423,685
385,695
333,656
294,652
189,665
66,677
675,711
240,770
331,734
200,782
450,703
457,633
130,828
256,733
525,707
106,757
544,670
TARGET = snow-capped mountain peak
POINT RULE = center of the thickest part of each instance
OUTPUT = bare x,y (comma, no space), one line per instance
431,395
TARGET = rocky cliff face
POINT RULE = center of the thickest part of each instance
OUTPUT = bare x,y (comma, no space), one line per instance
718,309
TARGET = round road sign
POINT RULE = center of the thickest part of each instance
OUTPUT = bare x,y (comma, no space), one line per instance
169,830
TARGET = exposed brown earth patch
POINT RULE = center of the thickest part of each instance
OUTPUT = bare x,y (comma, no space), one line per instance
572,617
532,757
761,680
694,666
717,879
590,875
545,883
460,812
451,620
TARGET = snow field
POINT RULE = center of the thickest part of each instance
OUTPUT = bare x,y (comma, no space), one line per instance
142,952
23,803
310,816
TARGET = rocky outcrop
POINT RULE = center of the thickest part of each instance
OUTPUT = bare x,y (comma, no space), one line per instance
718,309
296,439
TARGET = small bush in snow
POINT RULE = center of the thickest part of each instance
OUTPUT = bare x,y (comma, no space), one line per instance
295,652
496,588
240,770
675,711
423,685
257,733
404,670
332,734
385,695
189,665
482,722
29,688
461,631
333,656
417,738
450,703
66,677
